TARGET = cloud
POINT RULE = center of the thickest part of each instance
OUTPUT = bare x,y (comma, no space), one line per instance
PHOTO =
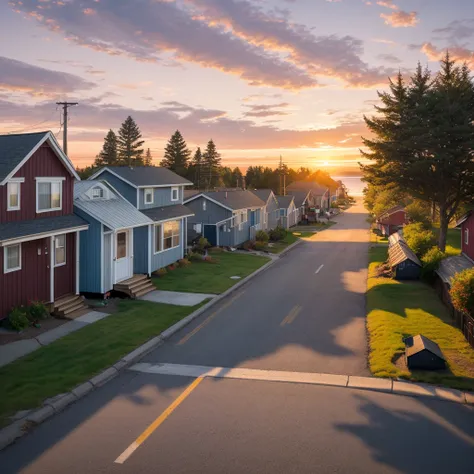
330,56
387,4
457,53
20,76
457,30
390,58
254,97
158,28
267,110
400,19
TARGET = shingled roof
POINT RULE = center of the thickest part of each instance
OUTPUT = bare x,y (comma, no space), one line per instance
234,200
400,252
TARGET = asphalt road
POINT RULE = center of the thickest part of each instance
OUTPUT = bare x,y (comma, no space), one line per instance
304,314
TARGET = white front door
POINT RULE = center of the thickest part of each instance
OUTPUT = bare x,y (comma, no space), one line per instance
123,267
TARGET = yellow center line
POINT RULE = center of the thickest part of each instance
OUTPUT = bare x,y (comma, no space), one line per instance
144,436
208,319
290,317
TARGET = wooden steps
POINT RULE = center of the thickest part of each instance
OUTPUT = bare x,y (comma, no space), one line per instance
70,307
136,286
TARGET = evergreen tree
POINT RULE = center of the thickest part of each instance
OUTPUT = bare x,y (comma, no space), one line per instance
424,140
237,178
130,151
177,154
148,158
211,165
195,169
108,154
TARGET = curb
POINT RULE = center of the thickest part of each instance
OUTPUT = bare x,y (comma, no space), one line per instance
19,428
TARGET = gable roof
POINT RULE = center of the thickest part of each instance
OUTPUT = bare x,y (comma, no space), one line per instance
190,193
464,218
145,176
420,343
17,149
285,201
300,197
117,213
389,212
450,266
313,186
232,200
400,252
158,214
263,194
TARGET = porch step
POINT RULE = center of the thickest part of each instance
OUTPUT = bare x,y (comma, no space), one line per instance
145,290
67,305
136,286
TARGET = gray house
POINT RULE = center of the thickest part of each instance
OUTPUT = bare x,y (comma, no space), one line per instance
271,211
288,213
225,218
158,194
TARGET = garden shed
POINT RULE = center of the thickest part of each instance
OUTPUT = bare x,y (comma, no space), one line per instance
423,354
403,262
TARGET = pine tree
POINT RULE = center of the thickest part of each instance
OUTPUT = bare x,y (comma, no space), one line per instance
108,154
195,169
177,154
211,165
237,178
148,158
130,151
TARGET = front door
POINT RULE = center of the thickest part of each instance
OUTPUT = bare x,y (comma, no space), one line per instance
123,266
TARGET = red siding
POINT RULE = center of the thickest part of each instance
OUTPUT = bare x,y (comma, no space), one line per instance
44,163
31,282
397,218
65,275
468,248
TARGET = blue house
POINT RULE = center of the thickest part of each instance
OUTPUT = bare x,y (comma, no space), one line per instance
225,218
107,258
288,213
271,211
158,194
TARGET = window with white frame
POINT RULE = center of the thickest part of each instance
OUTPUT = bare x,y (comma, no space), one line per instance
466,236
60,250
12,258
158,238
97,192
13,190
48,195
171,234
149,196
175,194
204,204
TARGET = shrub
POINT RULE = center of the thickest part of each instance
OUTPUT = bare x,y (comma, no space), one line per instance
420,212
194,257
184,262
161,272
201,245
259,245
171,267
249,245
18,319
277,234
462,291
261,236
418,238
37,310
431,261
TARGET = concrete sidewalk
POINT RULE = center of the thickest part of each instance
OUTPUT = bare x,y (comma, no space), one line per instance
177,298
15,350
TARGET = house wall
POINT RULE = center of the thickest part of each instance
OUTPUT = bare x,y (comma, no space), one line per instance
161,197
140,249
65,275
43,163
213,213
167,257
90,255
272,218
398,218
468,249
127,191
241,236
407,270
32,282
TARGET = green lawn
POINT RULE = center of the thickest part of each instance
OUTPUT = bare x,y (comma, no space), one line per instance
453,240
399,309
204,277
75,358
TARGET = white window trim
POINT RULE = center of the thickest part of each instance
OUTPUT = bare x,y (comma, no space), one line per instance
173,189
50,180
155,228
148,190
466,236
5,259
173,235
65,255
17,181
98,188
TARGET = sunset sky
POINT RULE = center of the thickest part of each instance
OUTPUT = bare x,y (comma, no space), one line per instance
261,77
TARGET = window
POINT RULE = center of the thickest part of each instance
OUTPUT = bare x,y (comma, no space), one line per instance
60,251
282,212
149,196
158,238
466,236
171,234
13,189
175,194
121,245
204,204
97,192
12,258
48,195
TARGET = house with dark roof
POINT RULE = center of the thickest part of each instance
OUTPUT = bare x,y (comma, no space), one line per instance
157,193
271,211
39,233
225,218
317,195
391,220
466,225
288,213
403,261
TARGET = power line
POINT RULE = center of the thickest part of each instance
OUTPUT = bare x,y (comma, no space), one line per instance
31,127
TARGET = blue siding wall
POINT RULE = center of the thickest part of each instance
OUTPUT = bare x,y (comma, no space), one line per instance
213,213
127,191
167,257
140,249
161,197
90,255
272,218
241,236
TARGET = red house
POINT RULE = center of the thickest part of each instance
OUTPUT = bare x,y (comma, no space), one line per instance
466,223
391,220
39,234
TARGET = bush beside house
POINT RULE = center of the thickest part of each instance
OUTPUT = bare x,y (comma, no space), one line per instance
462,292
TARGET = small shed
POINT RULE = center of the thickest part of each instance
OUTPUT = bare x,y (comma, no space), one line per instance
395,238
423,354
403,261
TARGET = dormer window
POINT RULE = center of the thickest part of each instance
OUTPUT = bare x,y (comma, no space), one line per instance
175,194
97,192
49,194
148,195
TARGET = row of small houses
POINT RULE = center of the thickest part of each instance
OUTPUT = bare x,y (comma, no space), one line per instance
61,236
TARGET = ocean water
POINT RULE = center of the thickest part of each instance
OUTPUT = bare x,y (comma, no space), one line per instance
353,184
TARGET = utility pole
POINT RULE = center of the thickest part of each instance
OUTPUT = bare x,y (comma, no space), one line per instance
65,106
282,178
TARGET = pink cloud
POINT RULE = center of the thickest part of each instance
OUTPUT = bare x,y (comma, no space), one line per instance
400,19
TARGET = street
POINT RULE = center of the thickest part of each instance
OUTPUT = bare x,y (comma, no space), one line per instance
305,314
